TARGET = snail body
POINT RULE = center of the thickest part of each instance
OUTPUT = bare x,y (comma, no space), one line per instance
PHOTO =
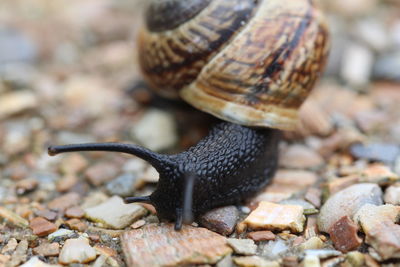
249,62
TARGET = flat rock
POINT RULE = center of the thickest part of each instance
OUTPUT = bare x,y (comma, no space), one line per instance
377,152
221,220
101,173
61,234
36,262
254,261
271,216
156,130
13,218
76,224
344,235
47,249
300,157
77,250
392,195
160,245
379,225
242,246
17,102
261,235
42,227
114,213
346,203
65,201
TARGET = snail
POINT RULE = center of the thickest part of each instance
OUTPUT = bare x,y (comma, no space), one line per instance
250,63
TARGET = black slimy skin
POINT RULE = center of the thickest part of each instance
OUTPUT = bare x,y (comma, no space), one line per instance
229,165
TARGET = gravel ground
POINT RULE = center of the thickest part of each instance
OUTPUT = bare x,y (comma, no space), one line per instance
68,74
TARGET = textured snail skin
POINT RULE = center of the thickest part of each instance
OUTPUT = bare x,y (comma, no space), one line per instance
232,163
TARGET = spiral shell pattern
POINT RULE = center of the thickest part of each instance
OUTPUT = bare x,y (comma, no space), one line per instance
245,61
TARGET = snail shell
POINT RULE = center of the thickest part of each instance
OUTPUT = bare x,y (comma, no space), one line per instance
251,62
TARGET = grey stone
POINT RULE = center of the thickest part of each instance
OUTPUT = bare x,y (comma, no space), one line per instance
123,185
242,246
377,152
221,220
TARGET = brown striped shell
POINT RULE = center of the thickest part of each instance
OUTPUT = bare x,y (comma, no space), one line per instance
251,62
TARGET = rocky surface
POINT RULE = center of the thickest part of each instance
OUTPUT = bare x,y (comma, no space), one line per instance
69,74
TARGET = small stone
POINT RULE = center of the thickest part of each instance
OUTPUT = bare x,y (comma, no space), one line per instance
383,234
254,261
10,247
65,201
221,220
188,246
380,174
311,261
76,224
101,173
36,262
387,67
242,246
261,236
47,249
47,214
314,120
114,213
392,195
107,251
138,224
377,152
150,175
357,64
156,130
61,234
355,259
275,249
66,183
73,164
94,199
308,208
313,195
4,259
312,243
77,251
26,185
74,212
13,218
346,203
42,227
344,235
322,253
17,102
300,157
123,185
19,254
271,216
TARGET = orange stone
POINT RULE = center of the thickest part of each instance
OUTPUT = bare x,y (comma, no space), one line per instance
261,235
344,235
42,227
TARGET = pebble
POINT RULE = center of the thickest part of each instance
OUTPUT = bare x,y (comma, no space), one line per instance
377,152
271,216
107,251
392,194
346,203
313,195
65,201
379,225
20,254
254,261
76,224
26,185
61,234
274,249
221,220
13,218
311,261
114,213
312,243
191,245
101,173
378,173
387,67
42,227
314,120
74,212
138,224
261,236
36,262
66,183
300,157
17,102
322,253
73,164
150,175
77,250
10,246
355,259
94,199
47,249
155,130
308,208
123,185
242,246
344,235
357,64
47,214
